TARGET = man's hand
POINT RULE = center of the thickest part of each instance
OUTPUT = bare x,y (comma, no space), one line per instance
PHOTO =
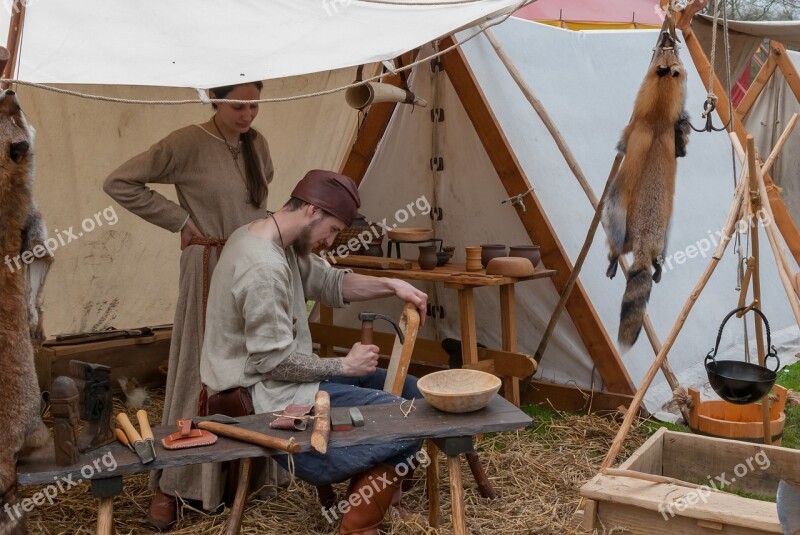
188,232
410,294
360,361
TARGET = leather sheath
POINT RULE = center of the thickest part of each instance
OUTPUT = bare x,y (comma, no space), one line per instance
290,420
187,437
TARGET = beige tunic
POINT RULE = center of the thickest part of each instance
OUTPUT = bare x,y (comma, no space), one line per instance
257,317
213,192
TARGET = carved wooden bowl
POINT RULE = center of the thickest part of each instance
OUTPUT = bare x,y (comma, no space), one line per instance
459,390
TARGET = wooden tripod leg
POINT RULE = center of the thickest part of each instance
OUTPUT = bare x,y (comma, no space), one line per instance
484,485
240,501
434,506
105,516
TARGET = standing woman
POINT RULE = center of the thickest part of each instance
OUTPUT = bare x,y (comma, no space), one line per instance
221,170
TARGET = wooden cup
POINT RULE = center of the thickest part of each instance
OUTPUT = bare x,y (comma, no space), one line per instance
474,258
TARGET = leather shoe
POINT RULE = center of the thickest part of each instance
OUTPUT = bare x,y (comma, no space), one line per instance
370,495
163,513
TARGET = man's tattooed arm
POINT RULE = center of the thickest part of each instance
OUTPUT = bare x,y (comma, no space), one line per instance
306,369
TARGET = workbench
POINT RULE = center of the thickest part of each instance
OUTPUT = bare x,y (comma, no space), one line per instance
455,276
450,433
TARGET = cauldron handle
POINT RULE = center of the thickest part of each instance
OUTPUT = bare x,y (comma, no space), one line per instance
772,353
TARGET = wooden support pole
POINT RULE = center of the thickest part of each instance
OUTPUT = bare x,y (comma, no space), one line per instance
754,208
774,241
784,271
727,232
757,86
14,36
787,67
787,226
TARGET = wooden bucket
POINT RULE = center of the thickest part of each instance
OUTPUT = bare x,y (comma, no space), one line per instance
738,422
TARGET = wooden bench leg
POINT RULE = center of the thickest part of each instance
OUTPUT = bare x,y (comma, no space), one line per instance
457,495
433,484
105,516
240,501
104,490
484,485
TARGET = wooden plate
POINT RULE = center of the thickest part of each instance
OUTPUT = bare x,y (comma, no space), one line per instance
510,266
410,234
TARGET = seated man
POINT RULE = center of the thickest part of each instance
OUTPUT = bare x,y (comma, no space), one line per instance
257,335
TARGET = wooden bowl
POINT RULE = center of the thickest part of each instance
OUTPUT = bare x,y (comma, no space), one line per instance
510,266
410,234
459,390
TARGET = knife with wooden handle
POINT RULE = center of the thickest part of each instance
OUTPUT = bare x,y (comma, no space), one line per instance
147,432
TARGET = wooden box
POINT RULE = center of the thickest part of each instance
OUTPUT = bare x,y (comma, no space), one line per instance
138,357
634,505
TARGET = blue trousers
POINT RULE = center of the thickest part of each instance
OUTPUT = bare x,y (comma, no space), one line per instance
340,464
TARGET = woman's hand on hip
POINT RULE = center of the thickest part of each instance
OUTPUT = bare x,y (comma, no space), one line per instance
188,232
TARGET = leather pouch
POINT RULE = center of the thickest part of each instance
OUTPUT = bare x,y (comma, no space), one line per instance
234,402
291,419
186,437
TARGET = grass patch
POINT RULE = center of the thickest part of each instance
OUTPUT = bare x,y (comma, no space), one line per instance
789,377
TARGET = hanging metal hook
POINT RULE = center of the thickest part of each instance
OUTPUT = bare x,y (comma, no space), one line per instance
708,107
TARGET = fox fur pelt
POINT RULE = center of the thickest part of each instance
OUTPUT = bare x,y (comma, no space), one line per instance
20,230
638,206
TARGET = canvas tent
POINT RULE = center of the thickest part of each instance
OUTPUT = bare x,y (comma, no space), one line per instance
126,274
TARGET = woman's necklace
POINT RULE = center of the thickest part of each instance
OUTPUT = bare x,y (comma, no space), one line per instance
235,151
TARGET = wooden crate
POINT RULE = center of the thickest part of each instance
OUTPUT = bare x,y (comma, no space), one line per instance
137,357
634,505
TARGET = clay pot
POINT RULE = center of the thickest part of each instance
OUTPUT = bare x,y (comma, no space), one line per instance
374,249
491,250
473,258
531,252
442,257
427,257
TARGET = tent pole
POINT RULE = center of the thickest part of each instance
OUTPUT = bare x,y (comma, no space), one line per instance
14,36
758,85
787,226
672,379
727,233
787,67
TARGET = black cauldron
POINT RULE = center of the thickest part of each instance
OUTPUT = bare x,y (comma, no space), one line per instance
741,382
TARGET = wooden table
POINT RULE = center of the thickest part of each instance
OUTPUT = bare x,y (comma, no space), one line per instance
451,433
455,276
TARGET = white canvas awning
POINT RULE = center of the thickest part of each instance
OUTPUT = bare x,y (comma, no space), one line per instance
207,43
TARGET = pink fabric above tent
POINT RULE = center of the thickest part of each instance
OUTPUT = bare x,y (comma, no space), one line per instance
621,11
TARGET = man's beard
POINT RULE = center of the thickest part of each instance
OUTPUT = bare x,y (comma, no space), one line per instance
302,245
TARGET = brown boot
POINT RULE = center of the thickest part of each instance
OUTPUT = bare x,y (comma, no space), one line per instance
370,495
163,513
